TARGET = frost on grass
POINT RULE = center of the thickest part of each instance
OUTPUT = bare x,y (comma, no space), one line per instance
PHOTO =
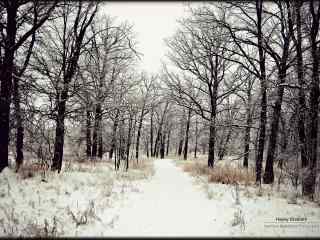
245,206
45,204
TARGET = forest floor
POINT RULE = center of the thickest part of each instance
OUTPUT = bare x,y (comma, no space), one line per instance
94,201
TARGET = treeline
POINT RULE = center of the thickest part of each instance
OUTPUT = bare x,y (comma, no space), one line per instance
240,79
69,87
251,72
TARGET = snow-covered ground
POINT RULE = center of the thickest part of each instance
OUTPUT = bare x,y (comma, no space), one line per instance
66,204
171,203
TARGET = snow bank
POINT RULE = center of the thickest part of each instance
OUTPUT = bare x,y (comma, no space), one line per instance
63,205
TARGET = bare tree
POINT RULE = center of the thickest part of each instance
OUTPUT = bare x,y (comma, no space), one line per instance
15,36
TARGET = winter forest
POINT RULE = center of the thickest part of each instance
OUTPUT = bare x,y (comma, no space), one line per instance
220,140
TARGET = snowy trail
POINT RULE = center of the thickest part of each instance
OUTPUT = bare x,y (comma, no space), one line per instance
168,206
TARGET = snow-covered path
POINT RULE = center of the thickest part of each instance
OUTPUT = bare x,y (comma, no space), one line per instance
168,206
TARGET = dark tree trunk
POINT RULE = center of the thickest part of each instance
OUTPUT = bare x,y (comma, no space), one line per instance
185,150
100,143
308,186
282,73
162,145
168,142
69,66
59,137
121,147
212,128
263,87
147,148
268,176
224,144
196,141
151,133
180,146
88,134
19,121
181,138
114,137
247,131
314,104
96,130
139,134
156,149
6,83
156,144
284,142
128,143
302,101
212,135
100,138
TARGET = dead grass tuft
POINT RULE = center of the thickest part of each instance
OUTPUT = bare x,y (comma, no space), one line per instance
221,174
231,175
31,170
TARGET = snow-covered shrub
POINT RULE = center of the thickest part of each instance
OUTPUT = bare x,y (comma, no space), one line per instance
230,175
259,191
38,230
236,194
82,217
10,222
238,219
209,191
317,190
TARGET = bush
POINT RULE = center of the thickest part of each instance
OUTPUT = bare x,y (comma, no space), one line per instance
221,174
231,175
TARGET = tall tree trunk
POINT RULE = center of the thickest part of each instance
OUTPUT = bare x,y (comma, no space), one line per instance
308,185
151,133
88,134
225,143
6,82
162,145
282,73
180,146
157,148
114,136
156,144
212,128
128,142
69,67
181,138
247,130
185,150
168,141
59,136
100,142
139,134
263,90
302,101
284,139
268,176
100,138
196,141
212,136
147,147
19,120
96,129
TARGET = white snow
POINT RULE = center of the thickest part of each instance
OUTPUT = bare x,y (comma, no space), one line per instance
171,203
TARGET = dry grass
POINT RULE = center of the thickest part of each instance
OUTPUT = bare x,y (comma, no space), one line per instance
231,175
141,169
32,169
220,174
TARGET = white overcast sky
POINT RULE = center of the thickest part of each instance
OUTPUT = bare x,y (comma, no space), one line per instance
153,21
